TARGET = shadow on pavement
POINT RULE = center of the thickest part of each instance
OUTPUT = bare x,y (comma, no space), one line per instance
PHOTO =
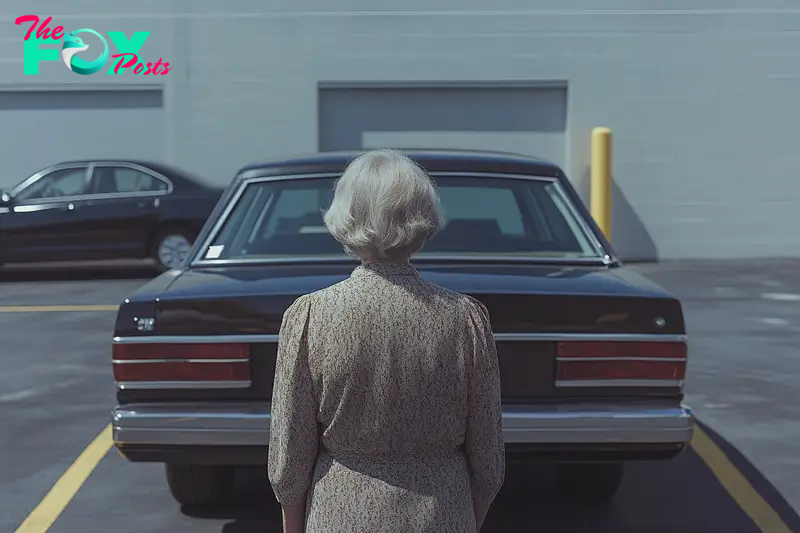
657,497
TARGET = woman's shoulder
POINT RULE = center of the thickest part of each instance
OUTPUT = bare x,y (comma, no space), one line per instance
475,305
298,308
477,311
306,301
462,301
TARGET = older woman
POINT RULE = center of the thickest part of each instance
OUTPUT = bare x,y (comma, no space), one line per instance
386,409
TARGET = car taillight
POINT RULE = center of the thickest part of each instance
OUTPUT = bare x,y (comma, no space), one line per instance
625,363
175,365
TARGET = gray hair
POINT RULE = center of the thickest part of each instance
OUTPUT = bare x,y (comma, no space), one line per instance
384,207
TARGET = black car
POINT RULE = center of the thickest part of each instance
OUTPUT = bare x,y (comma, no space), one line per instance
94,210
592,355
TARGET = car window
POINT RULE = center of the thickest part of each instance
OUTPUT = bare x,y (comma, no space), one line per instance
295,211
496,216
109,180
497,204
59,183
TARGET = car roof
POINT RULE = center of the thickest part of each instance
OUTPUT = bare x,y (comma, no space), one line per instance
444,160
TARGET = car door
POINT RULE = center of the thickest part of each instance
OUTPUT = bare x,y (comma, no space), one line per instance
41,221
124,201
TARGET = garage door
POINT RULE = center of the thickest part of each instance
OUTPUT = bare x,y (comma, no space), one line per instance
39,128
527,120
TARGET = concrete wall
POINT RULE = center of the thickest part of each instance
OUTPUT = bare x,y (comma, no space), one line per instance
47,126
703,97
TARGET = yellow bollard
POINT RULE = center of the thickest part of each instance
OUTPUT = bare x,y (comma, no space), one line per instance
600,204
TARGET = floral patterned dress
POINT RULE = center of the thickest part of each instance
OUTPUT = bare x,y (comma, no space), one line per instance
386,409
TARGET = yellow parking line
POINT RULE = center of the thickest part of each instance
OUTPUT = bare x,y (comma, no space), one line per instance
737,485
52,308
54,503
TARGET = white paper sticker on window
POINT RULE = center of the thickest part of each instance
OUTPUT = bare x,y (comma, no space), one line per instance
215,251
313,229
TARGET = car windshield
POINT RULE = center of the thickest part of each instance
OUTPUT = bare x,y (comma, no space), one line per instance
484,216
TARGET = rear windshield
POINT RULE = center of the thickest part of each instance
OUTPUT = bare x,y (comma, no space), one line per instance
483,216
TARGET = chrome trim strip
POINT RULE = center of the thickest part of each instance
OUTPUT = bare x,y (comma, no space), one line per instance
247,424
603,255
89,169
587,230
527,177
182,385
601,383
442,173
36,205
146,361
420,260
500,337
653,359
288,177
196,339
591,337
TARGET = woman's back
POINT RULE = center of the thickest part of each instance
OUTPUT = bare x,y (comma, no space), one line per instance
401,386
388,355
386,411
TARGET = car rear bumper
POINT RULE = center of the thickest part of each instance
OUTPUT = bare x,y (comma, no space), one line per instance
583,427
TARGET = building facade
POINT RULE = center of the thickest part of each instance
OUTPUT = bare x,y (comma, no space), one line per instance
703,98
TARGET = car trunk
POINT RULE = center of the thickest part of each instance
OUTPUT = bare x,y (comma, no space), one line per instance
532,309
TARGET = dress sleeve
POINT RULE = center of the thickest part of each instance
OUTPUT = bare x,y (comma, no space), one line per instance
484,442
293,437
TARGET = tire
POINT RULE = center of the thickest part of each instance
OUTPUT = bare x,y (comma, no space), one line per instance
200,484
170,246
589,483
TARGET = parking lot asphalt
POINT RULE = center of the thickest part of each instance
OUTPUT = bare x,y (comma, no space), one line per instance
743,321
56,392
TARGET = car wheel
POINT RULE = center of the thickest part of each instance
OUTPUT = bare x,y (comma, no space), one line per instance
589,483
200,484
170,248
